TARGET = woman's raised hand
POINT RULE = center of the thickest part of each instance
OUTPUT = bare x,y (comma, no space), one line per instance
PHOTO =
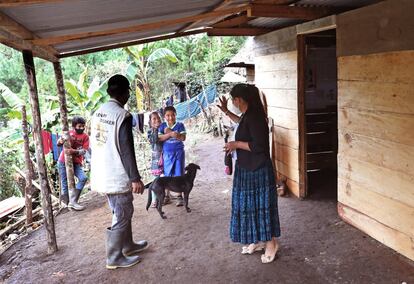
223,102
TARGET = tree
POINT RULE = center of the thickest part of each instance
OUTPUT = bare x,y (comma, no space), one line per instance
142,56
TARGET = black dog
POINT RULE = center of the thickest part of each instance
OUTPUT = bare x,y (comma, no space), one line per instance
182,184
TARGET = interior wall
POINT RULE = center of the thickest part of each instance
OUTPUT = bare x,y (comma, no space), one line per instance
376,122
276,76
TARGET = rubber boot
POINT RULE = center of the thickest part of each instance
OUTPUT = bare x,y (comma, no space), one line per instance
73,203
114,256
129,246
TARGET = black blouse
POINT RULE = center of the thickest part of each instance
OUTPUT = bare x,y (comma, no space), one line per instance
254,130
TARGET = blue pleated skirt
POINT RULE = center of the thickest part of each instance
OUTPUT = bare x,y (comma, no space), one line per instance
254,213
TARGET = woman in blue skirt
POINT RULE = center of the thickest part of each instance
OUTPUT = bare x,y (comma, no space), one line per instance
254,213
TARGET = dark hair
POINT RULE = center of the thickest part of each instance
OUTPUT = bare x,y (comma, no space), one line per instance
250,94
78,120
170,108
117,86
151,115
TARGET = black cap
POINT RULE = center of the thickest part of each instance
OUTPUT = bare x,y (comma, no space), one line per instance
118,83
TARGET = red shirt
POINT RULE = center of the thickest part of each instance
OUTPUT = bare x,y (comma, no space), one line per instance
77,141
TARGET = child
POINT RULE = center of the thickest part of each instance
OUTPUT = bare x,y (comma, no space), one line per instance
156,145
79,142
173,134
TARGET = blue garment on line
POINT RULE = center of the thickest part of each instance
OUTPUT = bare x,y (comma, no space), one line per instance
254,212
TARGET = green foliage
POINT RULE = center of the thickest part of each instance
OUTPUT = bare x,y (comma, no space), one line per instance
196,60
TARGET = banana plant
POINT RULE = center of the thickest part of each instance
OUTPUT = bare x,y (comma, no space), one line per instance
83,97
138,70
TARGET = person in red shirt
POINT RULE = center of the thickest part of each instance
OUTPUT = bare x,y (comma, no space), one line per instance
79,142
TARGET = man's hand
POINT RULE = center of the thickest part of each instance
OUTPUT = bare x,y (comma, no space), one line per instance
138,187
167,130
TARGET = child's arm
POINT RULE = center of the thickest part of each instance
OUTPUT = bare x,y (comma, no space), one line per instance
179,136
164,137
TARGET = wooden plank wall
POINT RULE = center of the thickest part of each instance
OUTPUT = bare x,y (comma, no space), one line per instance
276,75
376,122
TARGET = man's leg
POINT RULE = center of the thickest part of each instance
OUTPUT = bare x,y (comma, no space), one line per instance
64,183
122,211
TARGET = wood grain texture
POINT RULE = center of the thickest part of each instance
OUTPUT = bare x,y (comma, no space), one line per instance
397,215
378,96
286,118
388,183
382,153
398,241
388,126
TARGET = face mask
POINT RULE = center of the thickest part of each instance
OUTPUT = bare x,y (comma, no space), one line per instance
236,109
79,131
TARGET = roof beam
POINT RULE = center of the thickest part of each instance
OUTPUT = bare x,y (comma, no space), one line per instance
13,30
21,44
237,31
129,43
233,22
275,2
220,5
291,12
15,3
138,28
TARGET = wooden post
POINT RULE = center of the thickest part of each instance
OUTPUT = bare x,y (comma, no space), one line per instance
28,191
40,157
65,125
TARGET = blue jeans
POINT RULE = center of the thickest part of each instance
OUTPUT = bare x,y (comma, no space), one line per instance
122,209
79,173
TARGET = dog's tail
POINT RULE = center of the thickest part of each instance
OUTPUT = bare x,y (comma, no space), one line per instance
149,198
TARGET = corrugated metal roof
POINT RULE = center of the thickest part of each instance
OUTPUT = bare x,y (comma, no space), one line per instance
84,19
337,3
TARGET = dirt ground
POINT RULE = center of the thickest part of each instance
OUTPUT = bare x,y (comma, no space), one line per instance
316,246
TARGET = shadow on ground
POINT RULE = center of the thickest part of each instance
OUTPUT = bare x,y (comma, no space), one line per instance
316,246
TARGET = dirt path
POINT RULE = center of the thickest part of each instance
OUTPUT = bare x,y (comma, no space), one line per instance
317,247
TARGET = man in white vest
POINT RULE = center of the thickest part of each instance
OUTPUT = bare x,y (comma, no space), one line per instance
114,172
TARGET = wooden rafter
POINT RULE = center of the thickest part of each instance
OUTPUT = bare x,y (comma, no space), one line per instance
291,12
220,5
138,28
10,30
21,44
237,31
135,42
276,2
15,3
232,22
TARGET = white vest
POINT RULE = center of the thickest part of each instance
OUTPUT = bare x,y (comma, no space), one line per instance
108,174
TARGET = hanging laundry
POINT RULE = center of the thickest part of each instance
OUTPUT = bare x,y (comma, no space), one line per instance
47,141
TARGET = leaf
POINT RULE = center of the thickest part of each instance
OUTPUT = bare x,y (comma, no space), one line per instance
73,91
162,53
93,87
11,98
131,72
140,99
14,114
81,82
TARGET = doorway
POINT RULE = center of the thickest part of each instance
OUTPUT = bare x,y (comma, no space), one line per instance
318,119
